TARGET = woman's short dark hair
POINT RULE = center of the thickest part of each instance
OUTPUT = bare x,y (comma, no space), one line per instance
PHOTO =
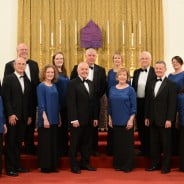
178,59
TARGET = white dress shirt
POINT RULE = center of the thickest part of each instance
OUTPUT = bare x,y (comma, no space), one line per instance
91,73
143,76
21,80
158,84
85,83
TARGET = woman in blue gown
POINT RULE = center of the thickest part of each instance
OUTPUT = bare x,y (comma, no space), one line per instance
48,120
178,77
122,109
58,61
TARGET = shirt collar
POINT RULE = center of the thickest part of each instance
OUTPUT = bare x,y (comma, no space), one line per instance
17,74
161,77
147,69
82,78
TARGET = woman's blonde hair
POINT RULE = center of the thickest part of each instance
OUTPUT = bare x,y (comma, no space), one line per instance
43,72
119,54
122,70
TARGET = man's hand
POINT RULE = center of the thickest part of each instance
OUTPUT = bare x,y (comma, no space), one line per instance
75,124
12,120
29,120
95,123
168,124
147,122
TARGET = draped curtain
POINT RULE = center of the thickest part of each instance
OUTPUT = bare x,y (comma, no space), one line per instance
58,23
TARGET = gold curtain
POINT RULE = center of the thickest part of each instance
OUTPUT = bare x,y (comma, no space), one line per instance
60,18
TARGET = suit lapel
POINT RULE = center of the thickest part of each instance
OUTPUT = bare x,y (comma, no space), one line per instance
82,86
150,74
90,88
31,69
18,83
26,84
138,74
95,74
161,87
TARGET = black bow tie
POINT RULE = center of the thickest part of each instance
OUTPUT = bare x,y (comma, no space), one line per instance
91,67
22,76
159,79
85,80
143,70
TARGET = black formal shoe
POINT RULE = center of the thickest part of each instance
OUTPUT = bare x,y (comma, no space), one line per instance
75,170
119,168
165,171
22,170
152,168
127,170
45,170
88,168
11,173
54,170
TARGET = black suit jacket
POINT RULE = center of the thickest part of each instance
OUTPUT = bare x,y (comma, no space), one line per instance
99,79
34,74
151,76
81,105
161,107
15,101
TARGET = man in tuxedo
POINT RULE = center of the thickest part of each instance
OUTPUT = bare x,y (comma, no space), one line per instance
83,115
159,114
141,78
98,77
32,72
17,96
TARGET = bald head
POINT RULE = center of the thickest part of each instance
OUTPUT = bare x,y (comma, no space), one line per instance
83,70
145,59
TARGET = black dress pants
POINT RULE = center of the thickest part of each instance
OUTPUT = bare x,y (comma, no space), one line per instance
13,141
144,132
161,142
80,139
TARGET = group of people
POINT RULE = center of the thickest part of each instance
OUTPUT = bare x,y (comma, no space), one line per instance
151,100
